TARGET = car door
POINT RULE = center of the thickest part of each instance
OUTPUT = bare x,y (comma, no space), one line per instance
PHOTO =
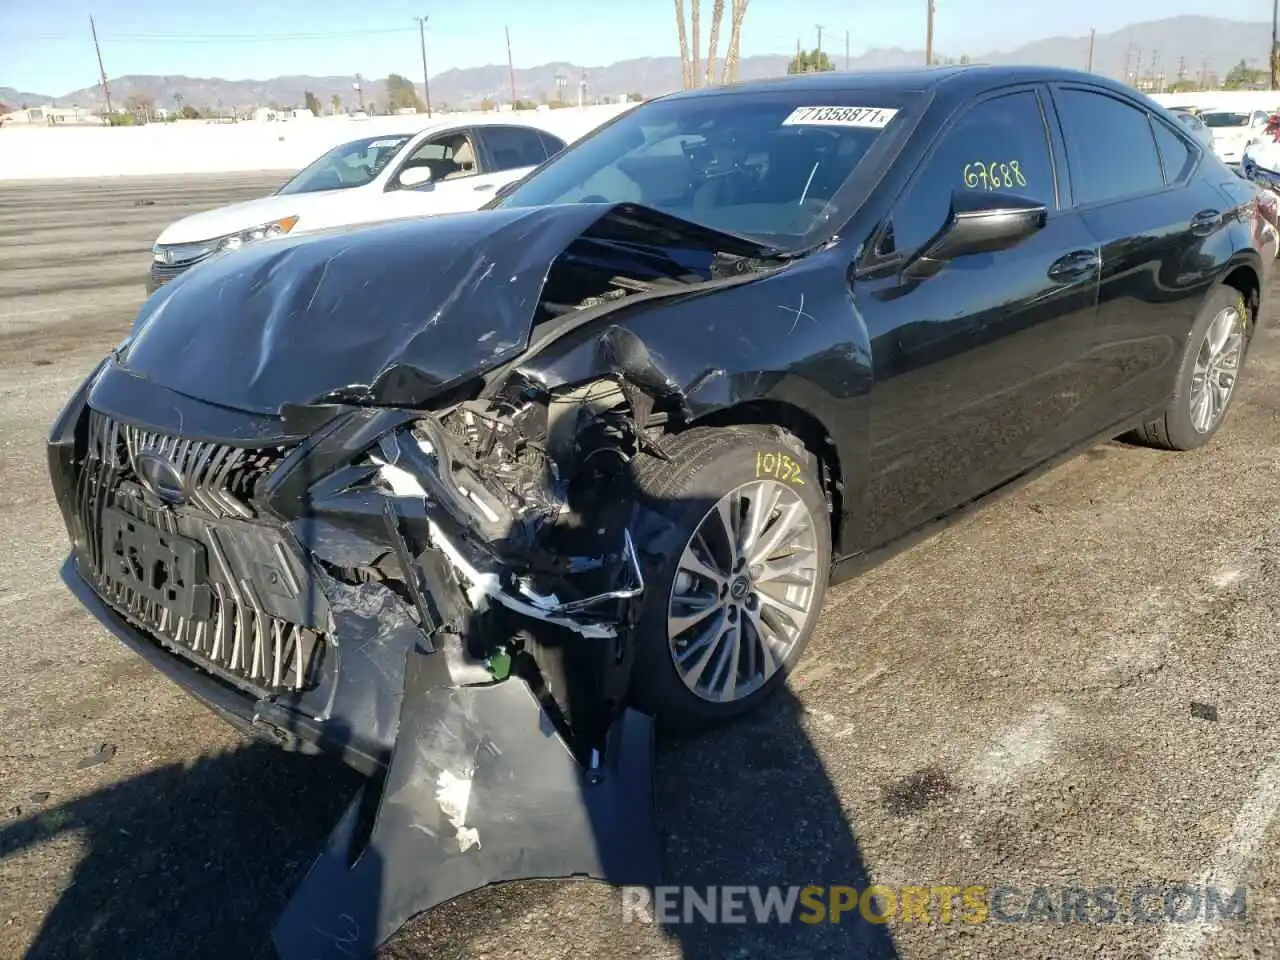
975,367
457,177
512,151
1156,225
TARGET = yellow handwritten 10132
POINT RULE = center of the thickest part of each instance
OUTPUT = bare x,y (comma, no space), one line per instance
994,176
779,466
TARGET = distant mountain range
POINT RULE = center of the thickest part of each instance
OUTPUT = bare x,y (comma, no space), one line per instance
1188,45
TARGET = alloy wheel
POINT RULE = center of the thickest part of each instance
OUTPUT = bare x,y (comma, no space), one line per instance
1216,370
744,591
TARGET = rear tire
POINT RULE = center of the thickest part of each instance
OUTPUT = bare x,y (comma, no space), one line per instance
1212,361
724,619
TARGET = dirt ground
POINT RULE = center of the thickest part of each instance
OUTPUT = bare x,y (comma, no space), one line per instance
1074,688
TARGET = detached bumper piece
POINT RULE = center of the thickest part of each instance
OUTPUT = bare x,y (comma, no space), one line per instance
480,790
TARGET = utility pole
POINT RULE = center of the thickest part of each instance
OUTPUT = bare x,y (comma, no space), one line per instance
511,70
817,61
426,79
1128,59
846,49
799,59
1092,33
928,35
359,92
102,71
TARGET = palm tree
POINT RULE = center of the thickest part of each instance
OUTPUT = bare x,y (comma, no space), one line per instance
695,71
684,44
736,13
717,14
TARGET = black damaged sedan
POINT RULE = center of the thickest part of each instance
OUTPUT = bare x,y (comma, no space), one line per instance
470,500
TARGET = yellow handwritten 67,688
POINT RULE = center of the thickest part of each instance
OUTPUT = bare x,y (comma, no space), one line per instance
994,176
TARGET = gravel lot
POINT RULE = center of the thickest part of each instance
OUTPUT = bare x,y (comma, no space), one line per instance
1008,704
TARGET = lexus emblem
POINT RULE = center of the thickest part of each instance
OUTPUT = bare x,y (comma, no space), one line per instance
168,257
160,477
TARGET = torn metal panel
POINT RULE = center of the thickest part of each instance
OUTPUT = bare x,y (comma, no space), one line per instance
480,790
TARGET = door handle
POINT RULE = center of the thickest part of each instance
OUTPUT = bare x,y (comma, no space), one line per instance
1206,221
484,186
1075,265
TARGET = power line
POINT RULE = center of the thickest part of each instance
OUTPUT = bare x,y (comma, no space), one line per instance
223,38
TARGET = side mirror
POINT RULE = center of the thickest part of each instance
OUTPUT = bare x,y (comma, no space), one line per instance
979,222
414,177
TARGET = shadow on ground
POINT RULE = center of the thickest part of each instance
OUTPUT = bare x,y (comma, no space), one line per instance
198,860
188,860
748,804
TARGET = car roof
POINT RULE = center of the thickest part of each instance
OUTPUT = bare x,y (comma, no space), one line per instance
509,118
960,79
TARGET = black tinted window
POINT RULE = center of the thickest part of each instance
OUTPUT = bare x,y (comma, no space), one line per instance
997,145
512,147
1112,151
553,144
1176,156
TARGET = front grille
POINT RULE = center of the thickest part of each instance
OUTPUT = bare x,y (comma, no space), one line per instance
219,478
162,273
221,620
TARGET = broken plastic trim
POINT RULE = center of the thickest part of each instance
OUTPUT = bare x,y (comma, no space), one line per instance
551,605
488,584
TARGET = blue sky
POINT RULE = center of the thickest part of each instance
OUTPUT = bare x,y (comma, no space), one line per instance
45,45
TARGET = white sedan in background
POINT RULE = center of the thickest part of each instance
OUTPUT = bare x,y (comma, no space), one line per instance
1234,132
441,169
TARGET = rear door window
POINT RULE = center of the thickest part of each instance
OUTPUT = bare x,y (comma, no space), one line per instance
551,143
512,147
1110,146
1176,155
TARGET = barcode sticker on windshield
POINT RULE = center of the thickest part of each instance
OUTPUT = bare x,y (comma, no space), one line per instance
875,117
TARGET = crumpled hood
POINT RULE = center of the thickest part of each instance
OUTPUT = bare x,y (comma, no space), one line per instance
297,319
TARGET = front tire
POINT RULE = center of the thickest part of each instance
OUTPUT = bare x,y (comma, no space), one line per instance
730,607
1211,363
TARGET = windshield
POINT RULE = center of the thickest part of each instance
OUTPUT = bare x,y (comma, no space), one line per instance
760,165
350,165
1225,119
